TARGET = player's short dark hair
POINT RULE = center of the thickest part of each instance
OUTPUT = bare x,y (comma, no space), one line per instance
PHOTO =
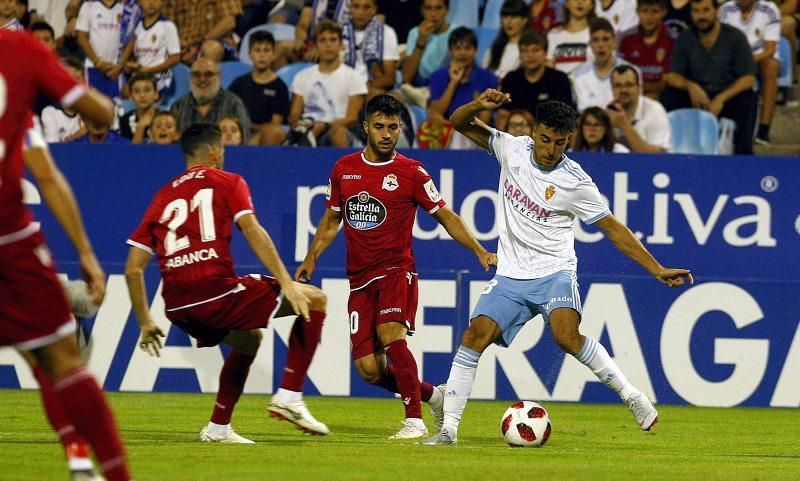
143,77
660,3
462,35
261,36
199,135
623,69
328,26
36,26
600,24
384,104
556,115
533,37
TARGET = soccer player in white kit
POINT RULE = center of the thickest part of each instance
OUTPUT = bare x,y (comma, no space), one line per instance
542,191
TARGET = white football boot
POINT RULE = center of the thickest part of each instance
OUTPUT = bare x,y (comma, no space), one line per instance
446,437
230,437
643,410
438,409
412,429
298,414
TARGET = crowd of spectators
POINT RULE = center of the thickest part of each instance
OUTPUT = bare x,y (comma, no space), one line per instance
623,64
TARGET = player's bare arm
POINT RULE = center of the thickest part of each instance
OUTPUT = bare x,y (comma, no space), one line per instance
58,196
261,243
326,232
455,226
628,244
96,107
151,334
463,119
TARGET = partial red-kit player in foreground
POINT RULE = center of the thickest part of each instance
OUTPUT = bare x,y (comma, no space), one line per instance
377,192
188,227
44,331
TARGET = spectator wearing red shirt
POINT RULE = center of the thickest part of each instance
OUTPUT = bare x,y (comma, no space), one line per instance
649,46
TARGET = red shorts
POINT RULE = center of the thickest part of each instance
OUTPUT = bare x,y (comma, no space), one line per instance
250,306
33,309
389,299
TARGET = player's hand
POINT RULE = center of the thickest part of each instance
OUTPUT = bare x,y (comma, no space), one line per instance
304,271
151,340
675,277
491,99
297,299
487,260
94,276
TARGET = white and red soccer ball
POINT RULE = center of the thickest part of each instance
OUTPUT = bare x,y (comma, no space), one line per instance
525,424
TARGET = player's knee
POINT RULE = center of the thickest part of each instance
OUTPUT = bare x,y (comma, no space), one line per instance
568,341
368,371
479,335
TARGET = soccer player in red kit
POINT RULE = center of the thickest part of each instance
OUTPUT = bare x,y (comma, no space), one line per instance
43,331
377,192
188,227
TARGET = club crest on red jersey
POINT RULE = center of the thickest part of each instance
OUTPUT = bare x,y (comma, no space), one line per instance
549,192
364,212
390,183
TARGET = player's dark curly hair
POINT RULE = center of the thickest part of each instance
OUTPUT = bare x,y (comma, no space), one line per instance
556,115
385,104
199,135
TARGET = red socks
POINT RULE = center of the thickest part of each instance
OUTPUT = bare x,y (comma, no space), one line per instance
388,381
86,406
405,373
303,344
54,411
231,384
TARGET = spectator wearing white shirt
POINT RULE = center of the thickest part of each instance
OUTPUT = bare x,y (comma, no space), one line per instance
620,13
63,124
97,28
503,56
156,46
592,80
330,94
370,46
641,123
760,22
568,46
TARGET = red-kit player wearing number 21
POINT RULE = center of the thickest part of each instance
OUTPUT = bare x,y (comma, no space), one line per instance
188,227
377,192
43,331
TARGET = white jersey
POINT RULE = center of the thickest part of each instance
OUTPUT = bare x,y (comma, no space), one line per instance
592,90
102,25
154,45
763,24
14,25
509,60
621,14
58,125
325,95
568,50
536,236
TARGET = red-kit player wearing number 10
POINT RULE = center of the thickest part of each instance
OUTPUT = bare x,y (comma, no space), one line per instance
188,227
377,191
43,331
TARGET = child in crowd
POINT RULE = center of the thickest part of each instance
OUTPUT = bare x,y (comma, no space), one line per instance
164,129
135,124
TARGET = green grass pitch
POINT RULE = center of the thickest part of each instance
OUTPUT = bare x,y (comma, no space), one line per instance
592,442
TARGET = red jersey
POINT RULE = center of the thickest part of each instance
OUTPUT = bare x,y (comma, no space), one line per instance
27,69
188,226
547,19
378,202
653,60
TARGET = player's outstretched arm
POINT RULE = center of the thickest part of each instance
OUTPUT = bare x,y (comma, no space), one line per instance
95,106
150,341
326,232
455,226
464,116
265,250
58,196
628,244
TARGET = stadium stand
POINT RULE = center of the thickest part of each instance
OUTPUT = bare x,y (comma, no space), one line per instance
491,14
694,131
281,31
230,70
464,13
785,72
288,72
180,85
485,38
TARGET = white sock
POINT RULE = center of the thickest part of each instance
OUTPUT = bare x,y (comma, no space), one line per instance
417,422
437,398
289,396
79,464
594,356
218,430
459,387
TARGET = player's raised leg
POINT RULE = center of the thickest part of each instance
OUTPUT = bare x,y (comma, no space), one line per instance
232,378
84,404
482,332
287,403
564,326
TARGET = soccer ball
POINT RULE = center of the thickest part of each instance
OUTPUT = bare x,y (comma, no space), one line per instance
525,424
